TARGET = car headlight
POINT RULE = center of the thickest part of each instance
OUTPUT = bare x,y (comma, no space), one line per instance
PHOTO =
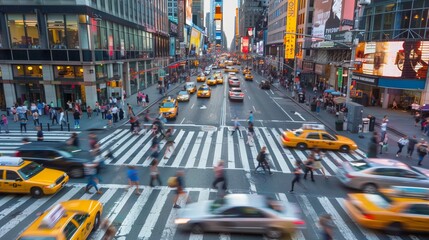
182,220
50,186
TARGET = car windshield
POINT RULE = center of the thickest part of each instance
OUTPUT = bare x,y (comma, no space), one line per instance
30,170
236,90
204,88
183,93
423,172
381,200
168,105
359,165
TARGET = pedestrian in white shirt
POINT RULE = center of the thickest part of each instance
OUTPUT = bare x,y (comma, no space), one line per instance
115,111
403,141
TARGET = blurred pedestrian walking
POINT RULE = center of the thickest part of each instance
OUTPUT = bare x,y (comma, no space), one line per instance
236,126
154,173
411,146
263,161
180,188
297,176
93,180
133,178
219,171
40,137
327,225
422,150
402,142
250,135
170,142
4,123
373,145
76,117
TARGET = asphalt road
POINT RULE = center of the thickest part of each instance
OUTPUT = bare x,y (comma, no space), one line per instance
202,137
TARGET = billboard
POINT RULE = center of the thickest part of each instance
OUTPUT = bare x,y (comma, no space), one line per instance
218,25
189,12
180,19
290,39
331,16
245,44
260,47
401,59
218,35
195,41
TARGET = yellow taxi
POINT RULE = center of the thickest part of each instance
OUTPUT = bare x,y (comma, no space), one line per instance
74,219
315,136
393,210
191,87
222,65
20,176
231,70
204,91
169,108
246,71
211,81
201,78
248,77
219,80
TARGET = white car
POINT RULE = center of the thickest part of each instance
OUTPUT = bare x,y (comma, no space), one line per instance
234,82
236,94
207,72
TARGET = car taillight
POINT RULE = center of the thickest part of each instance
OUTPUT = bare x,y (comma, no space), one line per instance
368,216
299,222
18,154
286,139
241,94
348,175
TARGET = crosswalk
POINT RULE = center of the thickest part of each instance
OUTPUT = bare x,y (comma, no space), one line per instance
11,141
202,149
151,216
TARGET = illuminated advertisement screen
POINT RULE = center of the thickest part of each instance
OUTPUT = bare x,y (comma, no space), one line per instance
188,12
218,24
399,59
260,47
195,41
245,44
218,35
331,16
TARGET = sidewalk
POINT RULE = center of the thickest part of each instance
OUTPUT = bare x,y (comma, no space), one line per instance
96,123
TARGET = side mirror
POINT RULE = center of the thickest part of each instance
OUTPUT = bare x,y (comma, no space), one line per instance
18,180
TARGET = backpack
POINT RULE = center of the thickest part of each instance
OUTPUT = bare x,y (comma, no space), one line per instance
172,182
259,158
422,148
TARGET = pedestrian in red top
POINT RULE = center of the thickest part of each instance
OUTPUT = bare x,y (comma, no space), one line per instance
219,171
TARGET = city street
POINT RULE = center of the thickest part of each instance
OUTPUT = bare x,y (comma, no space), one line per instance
202,135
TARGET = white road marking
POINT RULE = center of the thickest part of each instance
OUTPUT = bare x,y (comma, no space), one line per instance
278,105
298,234
153,215
183,148
193,155
182,120
192,105
205,153
309,212
218,146
123,148
137,147
271,91
254,109
280,160
231,156
243,155
248,97
101,141
299,115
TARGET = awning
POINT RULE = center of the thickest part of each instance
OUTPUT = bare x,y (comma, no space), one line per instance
329,90
336,93
339,100
174,65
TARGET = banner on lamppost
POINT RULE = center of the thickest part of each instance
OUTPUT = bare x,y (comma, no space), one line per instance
340,77
290,39
180,19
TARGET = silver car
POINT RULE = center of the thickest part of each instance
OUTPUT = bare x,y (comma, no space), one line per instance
371,174
234,82
241,213
236,94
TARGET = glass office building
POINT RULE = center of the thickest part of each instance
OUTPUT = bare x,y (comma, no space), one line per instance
86,50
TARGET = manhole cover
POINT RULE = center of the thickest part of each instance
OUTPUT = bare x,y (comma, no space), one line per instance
208,128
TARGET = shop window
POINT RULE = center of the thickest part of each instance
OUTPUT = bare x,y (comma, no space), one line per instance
388,20
28,71
68,72
101,71
56,31
72,34
16,30
32,31
405,21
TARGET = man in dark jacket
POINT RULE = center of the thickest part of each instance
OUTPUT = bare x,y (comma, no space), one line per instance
373,144
411,145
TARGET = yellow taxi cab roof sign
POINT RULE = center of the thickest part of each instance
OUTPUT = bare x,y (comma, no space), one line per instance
52,217
313,126
11,161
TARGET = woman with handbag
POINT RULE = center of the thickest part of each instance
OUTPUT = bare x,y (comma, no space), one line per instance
309,167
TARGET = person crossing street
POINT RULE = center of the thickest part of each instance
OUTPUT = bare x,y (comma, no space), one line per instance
219,170
402,142
297,176
262,160
236,127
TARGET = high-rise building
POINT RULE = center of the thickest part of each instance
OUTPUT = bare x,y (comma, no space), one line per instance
198,13
172,8
250,11
85,50
275,31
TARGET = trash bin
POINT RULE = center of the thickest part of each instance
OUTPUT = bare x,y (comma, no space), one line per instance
339,125
371,123
313,106
301,97
365,123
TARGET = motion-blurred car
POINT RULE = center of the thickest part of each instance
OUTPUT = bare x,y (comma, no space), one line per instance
248,77
169,108
393,210
315,136
207,72
231,69
58,156
234,82
241,213
183,96
190,87
265,84
201,78
236,94
371,174
222,65
19,176
217,74
204,91
211,81
74,219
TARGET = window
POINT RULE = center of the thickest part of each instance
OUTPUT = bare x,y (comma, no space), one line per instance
69,72
420,209
313,136
249,212
232,212
408,174
388,172
80,218
32,31
34,71
326,136
16,30
72,34
1,174
12,175
56,31
69,230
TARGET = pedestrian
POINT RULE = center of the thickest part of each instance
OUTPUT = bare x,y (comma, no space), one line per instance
317,164
36,118
133,178
394,105
89,112
121,114
219,171
411,145
327,225
62,118
97,107
422,150
130,111
417,119
40,137
54,115
109,118
250,118
372,147
93,180
297,176
170,142
23,124
403,141
40,107
109,230
4,122
250,135
383,129
115,101
384,145
15,114
73,140
318,105
154,173
180,188
154,148
114,111
147,99
309,167
103,110
262,160
76,117
236,126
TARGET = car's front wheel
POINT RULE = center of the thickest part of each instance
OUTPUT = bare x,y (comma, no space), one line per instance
274,233
394,228
345,149
301,146
197,228
370,188
36,192
96,222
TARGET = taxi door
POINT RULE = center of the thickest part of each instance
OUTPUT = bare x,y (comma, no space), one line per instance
84,226
416,217
12,182
313,140
328,142
1,179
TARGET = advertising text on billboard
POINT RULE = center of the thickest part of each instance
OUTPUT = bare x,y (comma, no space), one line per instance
195,41
290,39
331,16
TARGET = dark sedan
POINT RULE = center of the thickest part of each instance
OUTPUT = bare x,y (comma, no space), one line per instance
61,157
265,84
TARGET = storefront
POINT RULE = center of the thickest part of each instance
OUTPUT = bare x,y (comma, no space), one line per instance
73,92
29,91
322,75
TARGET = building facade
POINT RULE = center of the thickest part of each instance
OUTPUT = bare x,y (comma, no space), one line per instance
276,31
198,13
172,8
70,50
